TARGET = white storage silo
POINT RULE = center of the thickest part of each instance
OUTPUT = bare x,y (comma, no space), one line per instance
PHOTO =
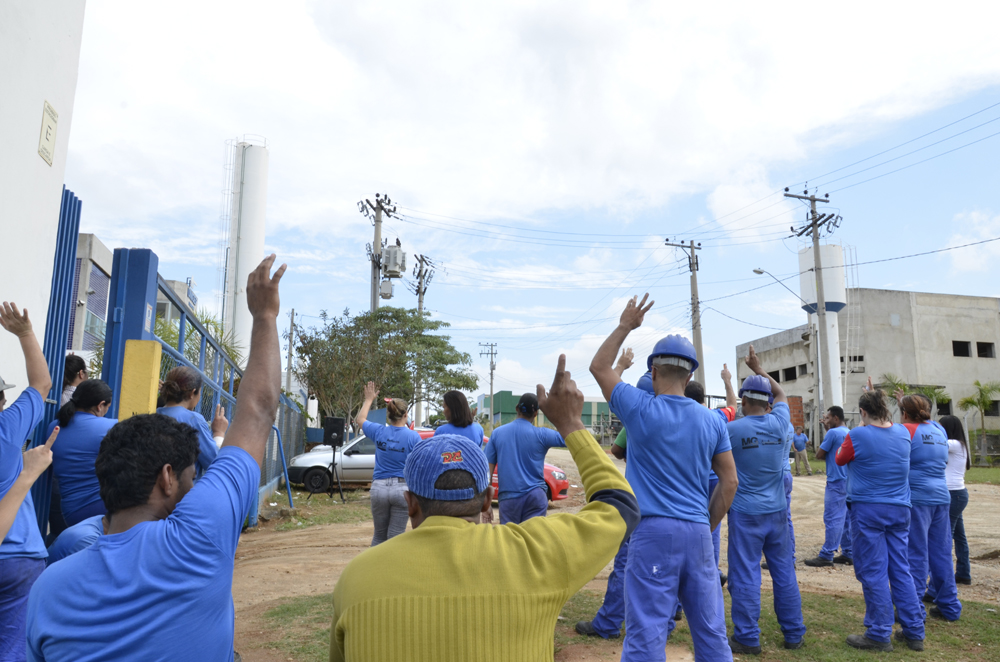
246,235
835,294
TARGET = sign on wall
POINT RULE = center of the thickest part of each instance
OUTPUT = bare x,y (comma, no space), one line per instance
47,140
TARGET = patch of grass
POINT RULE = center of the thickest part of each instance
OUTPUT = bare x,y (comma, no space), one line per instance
988,475
321,509
304,625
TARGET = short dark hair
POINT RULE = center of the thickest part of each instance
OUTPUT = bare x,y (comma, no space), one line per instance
837,412
873,402
454,479
695,391
135,451
672,372
458,408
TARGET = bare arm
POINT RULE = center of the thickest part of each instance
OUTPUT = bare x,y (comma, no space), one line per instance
36,461
601,366
618,451
370,394
17,322
624,361
820,454
727,379
753,362
257,402
724,466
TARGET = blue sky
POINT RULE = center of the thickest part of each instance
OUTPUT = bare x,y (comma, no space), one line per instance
542,155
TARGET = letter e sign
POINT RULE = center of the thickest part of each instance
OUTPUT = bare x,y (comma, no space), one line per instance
47,141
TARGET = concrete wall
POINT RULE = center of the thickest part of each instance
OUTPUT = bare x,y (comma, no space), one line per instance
39,61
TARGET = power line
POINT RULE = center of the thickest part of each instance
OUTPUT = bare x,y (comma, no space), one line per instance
773,328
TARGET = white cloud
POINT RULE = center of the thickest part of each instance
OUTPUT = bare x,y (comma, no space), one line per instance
970,227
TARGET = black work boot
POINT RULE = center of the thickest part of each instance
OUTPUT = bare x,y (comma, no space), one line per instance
587,628
912,644
862,642
742,649
844,560
818,562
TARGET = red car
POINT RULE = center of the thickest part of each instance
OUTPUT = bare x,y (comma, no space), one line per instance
555,478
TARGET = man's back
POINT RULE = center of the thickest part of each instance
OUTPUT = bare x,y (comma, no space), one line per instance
760,451
161,590
424,595
518,449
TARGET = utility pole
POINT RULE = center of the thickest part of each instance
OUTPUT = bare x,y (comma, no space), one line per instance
816,221
491,352
291,341
423,270
689,250
383,205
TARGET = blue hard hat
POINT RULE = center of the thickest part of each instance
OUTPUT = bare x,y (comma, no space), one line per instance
645,383
757,387
677,347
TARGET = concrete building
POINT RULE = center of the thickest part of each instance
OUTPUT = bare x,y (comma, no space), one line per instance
91,283
183,289
924,339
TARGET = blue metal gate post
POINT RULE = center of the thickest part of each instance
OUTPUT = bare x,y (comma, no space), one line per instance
131,311
60,311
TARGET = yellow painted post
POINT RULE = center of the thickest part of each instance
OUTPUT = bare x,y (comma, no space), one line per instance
140,378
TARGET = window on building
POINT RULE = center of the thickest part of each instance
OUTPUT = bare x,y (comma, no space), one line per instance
961,348
803,370
985,350
944,409
788,375
993,409
776,375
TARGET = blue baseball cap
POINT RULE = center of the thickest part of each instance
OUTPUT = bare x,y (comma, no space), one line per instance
432,457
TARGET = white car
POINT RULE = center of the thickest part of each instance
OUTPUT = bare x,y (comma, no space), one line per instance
355,462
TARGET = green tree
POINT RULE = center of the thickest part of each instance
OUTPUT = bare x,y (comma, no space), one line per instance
981,401
892,384
387,346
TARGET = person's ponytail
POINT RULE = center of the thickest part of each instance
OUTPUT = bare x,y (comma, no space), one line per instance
88,395
66,413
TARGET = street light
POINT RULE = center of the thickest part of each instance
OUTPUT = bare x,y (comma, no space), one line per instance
760,272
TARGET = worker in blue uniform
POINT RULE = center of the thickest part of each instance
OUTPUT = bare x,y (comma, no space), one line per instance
758,518
674,443
877,457
930,519
838,528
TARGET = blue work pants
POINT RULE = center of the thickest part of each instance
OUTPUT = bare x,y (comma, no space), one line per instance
959,500
17,576
670,561
930,550
788,503
520,509
749,535
611,615
881,538
717,533
838,525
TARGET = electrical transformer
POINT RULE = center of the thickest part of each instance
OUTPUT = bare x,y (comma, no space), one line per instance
385,289
393,262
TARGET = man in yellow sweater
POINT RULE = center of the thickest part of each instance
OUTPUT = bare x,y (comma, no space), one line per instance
423,595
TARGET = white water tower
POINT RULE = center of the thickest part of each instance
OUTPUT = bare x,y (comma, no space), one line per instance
245,245
835,293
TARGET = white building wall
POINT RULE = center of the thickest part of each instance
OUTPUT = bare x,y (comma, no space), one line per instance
39,60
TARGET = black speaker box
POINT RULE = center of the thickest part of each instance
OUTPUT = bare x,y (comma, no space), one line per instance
334,431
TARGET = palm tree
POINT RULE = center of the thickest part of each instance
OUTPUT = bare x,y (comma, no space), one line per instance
981,401
936,394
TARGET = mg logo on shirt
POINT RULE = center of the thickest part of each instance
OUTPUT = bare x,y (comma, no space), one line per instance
750,442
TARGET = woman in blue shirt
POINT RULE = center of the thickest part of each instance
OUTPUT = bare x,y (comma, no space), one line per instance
83,427
393,443
930,519
181,395
877,457
459,417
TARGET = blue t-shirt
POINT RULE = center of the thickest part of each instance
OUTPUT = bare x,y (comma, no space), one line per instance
879,472
161,590
207,450
392,446
73,457
831,444
672,440
472,432
76,538
928,458
800,442
760,452
518,449
16,423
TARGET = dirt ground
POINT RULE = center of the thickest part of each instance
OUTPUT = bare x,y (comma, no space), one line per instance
273,566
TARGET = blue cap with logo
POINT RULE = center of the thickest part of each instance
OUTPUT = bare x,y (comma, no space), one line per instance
432,457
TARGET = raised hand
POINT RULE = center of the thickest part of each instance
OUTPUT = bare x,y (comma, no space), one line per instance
726,375
625,360
869,386
262,289
38,459
220,423
563,404
14,320
370,392
753,362
634,312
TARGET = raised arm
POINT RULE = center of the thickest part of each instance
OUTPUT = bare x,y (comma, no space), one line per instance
753,362
17,322
36,461
624,361
727,380
601,367
370,394
257,402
